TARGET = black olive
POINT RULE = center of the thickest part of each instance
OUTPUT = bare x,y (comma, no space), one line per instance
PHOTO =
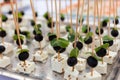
88,41
16,31
59,49
101,31
22,12
10,12
19,20
92,62
72,61
2,49
38,37
109,42
79,45
49,24
102,52
36,14
17,42
116,21
104,24
23,56
52,37
32,23
87,30
3,33
62,18
114,33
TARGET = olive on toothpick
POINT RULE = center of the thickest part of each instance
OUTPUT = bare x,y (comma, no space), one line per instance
108,39
32,22
97,31
59,49
19,19
72,61
10,12
51,36
3,33
2,49
62,17
104,22
92,62
114,32
23,55
85,28
17,42
49,23
116,21
79,45
38,37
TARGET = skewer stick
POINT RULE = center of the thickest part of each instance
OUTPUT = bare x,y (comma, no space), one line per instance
34,17
66,11
71,13
116,7
1,22
0,17
99,24
88,15
101,8
93,44
114,13
92,71
52,15
57,27
76,27
109,23
81,16
16,23
33,13
77,23
109,17
47,5
59,16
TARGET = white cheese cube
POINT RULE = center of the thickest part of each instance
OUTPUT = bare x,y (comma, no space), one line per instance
27,69
38,56
101,67
58,66
4,61
88,76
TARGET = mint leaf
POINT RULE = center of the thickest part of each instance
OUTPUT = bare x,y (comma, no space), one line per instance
74,52
60,42
84,28
105,46
46,15
22,50
81,39
71,37
15,37
107,38
62,15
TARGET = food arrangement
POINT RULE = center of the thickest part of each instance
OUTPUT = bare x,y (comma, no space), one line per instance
72,52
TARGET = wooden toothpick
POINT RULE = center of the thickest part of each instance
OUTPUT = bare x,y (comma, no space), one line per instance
52,15
57,27
34,17
88,16
16,23
76,35
81,17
